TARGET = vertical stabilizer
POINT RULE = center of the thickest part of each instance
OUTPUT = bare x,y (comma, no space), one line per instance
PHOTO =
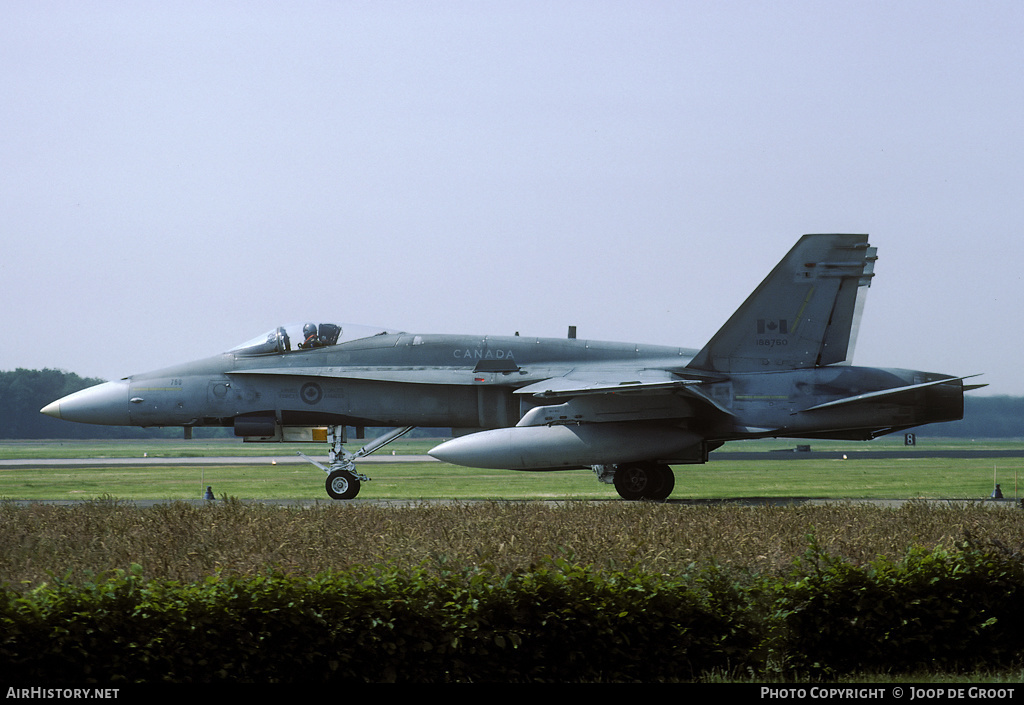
804,314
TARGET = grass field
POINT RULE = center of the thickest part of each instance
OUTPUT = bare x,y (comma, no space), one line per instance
182,542
265,478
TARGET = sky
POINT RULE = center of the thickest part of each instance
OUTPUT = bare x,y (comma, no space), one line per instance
176,178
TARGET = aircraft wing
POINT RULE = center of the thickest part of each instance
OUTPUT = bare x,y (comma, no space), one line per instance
568,387
590,395
552,382
597,397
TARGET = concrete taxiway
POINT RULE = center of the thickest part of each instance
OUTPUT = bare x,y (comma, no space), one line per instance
776,455
157,461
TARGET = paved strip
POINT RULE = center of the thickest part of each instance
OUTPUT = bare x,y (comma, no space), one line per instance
864,454
784,455
157,461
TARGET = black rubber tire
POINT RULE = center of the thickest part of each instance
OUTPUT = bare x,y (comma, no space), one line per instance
666,483
342,485
635,481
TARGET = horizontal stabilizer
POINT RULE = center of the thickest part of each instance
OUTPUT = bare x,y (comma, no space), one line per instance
881,394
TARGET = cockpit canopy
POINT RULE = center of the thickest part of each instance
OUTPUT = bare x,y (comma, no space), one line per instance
305,336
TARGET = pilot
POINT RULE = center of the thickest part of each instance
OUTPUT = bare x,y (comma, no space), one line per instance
311,339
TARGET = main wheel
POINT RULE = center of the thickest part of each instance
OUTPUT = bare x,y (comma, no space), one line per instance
633,481
644,481
342,485
666,482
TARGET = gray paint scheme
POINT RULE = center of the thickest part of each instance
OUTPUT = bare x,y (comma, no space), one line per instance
779,367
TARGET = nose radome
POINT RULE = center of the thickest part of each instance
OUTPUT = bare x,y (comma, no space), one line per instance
105,403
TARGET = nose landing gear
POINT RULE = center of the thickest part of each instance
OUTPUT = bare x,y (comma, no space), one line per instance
342,484
343,480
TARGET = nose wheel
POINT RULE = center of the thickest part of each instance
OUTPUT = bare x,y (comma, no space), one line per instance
341,484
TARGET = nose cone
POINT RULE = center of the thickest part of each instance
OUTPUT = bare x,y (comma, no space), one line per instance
105,403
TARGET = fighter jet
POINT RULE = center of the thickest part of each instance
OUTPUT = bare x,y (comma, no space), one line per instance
780,367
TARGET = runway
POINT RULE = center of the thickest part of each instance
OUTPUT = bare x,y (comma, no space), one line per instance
865,454
777,455
157,461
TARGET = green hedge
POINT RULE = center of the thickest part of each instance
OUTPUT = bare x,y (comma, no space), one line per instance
560,622
934,610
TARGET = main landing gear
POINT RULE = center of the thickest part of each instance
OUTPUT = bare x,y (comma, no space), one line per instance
343,480
633,481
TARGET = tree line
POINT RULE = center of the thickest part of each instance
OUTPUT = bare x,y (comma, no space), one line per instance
24,392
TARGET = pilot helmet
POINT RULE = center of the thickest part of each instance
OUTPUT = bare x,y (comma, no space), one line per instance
308,330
